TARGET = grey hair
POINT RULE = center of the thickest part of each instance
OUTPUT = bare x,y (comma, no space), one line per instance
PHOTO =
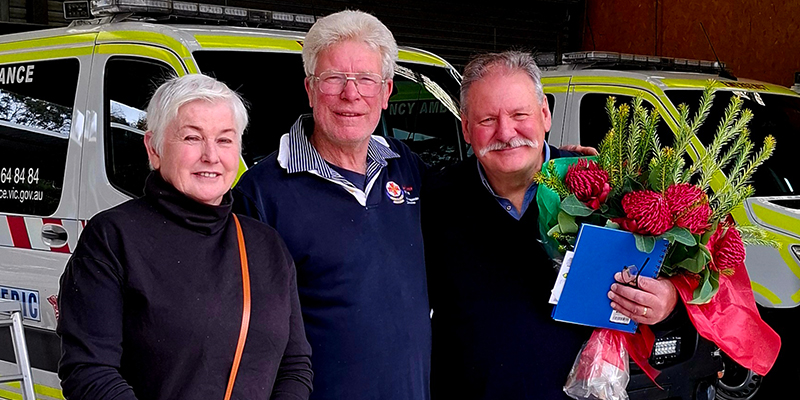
178,91
350,25
511,61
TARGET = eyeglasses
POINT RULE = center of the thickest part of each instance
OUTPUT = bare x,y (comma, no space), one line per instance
332,82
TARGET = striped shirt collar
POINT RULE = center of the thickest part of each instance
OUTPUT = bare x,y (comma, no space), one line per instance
297,154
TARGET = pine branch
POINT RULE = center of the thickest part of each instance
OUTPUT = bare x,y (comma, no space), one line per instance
741,158
745,146
726,202
634,138
754,235
705,105
732,124
763,154
661,172
736,148
678,165
552,181
619,144
725,127
649,144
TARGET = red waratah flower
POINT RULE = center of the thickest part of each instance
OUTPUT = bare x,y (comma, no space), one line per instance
689,207
682,196
726,248
646,213
588,182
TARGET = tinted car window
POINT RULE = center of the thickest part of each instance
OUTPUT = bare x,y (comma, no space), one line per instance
422,113
595,122
36,104
773,114
272,87
129,84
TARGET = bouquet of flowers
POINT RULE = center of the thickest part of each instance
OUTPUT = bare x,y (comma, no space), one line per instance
656,192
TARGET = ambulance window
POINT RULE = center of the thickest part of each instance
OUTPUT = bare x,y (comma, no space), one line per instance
272,86
421,120
129,84
594,122
36,101
773,114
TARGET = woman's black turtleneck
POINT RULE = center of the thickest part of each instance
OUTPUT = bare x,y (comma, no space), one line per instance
151,305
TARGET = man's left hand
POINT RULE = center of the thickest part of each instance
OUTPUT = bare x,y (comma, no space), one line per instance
649,301
585,150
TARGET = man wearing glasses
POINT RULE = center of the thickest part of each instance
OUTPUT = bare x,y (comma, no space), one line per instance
346,203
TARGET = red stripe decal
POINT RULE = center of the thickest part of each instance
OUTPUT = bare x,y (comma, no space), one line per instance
19,234
55,221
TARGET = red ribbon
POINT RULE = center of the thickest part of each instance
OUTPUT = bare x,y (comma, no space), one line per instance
640,346
731,320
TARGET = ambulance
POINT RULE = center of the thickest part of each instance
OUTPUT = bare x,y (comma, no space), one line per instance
72,120
577,86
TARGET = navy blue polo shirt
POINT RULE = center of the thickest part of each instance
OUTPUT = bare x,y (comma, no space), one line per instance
359,259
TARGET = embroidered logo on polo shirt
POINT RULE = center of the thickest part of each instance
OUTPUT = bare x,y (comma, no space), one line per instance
410,199
395,193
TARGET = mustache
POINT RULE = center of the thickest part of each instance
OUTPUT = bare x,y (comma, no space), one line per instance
513,143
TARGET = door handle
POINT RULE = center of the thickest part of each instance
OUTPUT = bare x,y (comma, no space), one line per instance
54,235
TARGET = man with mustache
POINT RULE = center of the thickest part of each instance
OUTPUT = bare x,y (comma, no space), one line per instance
489,279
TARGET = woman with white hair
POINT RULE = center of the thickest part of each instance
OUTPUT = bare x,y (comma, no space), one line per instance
155,302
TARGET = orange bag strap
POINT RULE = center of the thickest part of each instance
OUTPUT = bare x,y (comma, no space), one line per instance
245,311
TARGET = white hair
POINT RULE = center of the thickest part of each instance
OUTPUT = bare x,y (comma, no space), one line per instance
350,25
512,61
174,93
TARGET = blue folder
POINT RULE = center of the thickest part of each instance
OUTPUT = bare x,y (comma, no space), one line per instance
601,252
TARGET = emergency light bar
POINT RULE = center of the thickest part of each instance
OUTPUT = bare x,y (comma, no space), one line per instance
87,9
643,61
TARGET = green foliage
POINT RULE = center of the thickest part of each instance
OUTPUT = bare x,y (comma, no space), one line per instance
632,154
634,159
737,188
572,206
708,287
680,235
756,236
645,244
552,180
567,223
